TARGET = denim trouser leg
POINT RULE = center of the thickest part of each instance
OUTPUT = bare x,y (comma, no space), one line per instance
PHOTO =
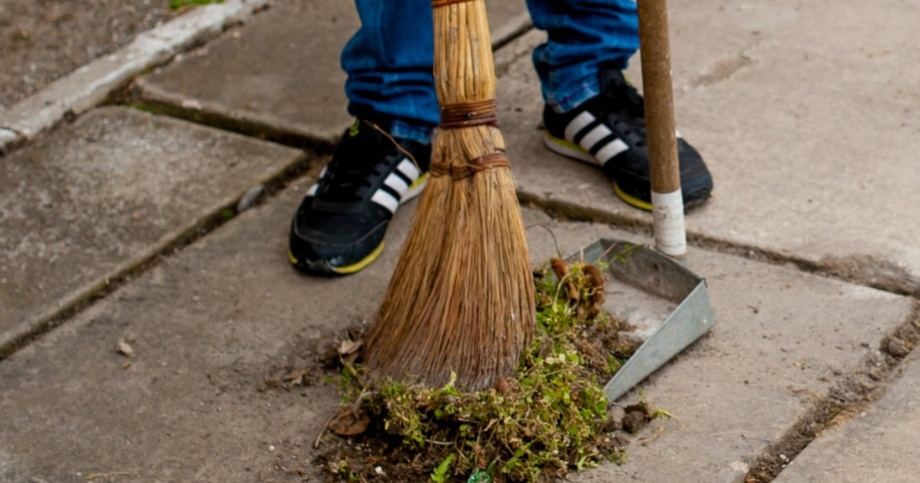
582,34
389,64
389,60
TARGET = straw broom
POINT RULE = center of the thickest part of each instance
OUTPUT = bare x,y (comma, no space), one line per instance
461,298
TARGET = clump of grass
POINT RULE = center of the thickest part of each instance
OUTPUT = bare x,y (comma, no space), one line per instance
550,417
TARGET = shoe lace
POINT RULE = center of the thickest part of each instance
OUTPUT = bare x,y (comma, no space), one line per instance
621,98
350,176
345,181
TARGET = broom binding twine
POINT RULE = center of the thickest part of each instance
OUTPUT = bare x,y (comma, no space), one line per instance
441,3
494,160
462,115
469,114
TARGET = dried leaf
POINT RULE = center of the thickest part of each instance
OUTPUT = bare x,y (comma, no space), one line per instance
349,422
596,282
349,347
560,268
296,377
502,386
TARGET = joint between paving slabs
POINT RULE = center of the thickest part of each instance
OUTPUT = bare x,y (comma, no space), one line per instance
846,400
862,270
102,288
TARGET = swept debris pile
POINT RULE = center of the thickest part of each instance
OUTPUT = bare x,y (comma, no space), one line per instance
549,418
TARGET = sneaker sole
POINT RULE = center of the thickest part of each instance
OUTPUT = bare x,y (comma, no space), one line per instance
322,266
574,151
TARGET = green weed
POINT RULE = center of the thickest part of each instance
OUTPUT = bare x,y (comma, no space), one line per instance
547,419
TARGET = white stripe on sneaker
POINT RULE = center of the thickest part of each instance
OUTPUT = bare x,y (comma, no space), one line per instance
407,168
577,124
594,136
386,200
311,191
589,142
398,184
610,150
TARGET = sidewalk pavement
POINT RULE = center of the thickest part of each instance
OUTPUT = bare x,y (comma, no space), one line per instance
127,226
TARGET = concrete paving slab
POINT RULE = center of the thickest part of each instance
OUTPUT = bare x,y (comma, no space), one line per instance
783,339
878,444
93,200
806,117
208,324
89,85
280,76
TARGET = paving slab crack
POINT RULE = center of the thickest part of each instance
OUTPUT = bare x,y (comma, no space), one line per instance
150,96
206,224
848,398
857,269
863,270
89,86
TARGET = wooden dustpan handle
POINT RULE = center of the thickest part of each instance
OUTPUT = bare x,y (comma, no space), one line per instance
667,201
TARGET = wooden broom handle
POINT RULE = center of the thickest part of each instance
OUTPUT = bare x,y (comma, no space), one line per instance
668,207
659,98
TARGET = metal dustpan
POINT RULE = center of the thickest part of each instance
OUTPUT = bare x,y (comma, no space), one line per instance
666,301
658,275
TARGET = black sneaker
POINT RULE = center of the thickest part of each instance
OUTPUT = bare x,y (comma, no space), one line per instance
339,226
609,131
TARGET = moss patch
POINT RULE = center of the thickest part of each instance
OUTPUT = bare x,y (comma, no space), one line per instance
549,418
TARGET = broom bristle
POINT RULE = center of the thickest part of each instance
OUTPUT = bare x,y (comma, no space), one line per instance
461,298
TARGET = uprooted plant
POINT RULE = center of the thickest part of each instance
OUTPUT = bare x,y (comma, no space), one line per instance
550,417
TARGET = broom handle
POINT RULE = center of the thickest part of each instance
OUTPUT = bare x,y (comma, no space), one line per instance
667,201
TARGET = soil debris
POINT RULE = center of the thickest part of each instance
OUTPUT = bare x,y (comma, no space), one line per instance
291,378
637,417
124,348
847,399
349,422
549,418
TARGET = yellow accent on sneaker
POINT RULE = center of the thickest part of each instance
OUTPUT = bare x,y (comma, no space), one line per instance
361,265
572,150
292,258
631,200
420,181
565,143
568,149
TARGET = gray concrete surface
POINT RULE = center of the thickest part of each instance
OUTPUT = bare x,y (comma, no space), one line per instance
807,118
805,113
95,199
877,443
208,324
783,339
280,76
89,85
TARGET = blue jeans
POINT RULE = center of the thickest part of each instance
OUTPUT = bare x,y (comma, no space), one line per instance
389,59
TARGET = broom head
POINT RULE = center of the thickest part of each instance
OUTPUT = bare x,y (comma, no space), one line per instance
460,302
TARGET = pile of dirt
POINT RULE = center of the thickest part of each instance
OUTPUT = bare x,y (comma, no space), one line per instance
547,419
